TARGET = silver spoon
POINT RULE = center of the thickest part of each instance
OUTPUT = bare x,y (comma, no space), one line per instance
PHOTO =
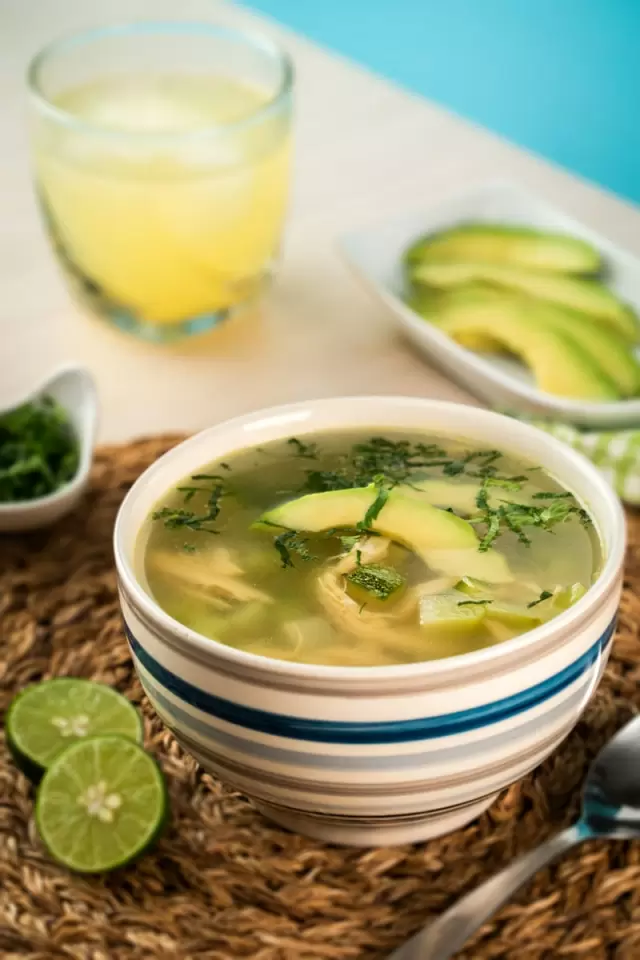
610,809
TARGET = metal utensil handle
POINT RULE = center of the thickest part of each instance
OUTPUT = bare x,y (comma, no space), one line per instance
448,934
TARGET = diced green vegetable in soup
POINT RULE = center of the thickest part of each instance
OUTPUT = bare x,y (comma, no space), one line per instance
353,550
474,588
448,612
514,615
567,596
550,603
374,581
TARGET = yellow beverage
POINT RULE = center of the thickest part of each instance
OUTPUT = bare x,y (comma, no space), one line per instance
166,200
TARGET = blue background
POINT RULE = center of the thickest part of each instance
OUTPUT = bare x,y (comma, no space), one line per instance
561,77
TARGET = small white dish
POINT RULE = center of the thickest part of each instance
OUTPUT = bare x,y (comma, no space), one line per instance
375,253
74,389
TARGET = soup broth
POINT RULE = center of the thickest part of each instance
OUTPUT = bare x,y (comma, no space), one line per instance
351,550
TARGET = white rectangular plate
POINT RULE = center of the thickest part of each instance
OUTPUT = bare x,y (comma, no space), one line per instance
375,254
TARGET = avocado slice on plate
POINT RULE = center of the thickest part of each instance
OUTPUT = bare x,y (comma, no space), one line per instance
507,244
429,303
559,363
576,293
445,542
606,348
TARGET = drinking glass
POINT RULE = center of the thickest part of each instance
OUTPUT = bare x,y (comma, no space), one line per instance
161,157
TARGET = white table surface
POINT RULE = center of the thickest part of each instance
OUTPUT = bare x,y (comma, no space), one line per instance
365,150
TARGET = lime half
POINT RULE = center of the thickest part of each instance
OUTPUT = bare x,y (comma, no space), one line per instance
101,804
46,718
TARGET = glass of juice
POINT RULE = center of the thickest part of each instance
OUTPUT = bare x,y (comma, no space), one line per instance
161,155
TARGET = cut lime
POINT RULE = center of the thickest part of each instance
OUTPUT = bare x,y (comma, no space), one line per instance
102,803
49,716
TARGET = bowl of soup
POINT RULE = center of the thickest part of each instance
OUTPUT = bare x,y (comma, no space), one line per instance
370,614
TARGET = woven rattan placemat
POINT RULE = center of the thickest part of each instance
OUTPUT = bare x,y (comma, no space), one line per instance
223,883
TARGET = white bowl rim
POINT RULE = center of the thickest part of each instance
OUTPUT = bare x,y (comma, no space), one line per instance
287,412
86,439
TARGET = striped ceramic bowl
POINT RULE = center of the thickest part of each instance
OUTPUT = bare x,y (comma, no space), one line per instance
372,755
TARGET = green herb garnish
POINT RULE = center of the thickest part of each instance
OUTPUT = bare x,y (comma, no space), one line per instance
505,483
520,517
320,481
348,542
39,451
382,495
175,518
481,461
453,468
399,462
297,542
208,476
291,542
394,460
469,603
309,451
545,595
387,463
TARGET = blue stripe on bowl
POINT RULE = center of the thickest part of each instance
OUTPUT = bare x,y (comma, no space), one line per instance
464,753
392,731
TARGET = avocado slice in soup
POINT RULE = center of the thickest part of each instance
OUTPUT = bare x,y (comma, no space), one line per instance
445,542
461,497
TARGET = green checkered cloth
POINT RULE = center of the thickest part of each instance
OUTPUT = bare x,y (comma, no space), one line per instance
616,453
